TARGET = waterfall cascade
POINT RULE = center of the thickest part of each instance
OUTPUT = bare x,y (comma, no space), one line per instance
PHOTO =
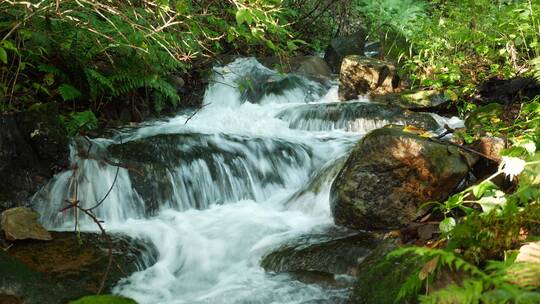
215,194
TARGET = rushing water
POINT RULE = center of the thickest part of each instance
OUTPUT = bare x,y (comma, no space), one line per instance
218,192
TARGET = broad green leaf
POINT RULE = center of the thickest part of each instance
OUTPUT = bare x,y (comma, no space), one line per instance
481,188
447,225
3,55
242,15
8,45
492,200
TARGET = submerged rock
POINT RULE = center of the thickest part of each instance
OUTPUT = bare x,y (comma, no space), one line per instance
333,252
358,117
21,224
67,267
389,174
201,169
340,47
363,75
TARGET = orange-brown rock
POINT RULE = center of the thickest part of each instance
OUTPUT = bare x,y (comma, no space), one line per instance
362,75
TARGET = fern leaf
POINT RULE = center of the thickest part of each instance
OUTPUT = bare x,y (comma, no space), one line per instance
68,92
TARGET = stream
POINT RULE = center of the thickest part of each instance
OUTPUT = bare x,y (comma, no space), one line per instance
216,190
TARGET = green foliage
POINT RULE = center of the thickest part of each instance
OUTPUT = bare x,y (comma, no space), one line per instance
105,299
493,284
80,122
462,43
317,21
68,92
95,52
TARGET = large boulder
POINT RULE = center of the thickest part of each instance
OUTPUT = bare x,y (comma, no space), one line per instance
21,224
340,47
389,174
68,267
362,75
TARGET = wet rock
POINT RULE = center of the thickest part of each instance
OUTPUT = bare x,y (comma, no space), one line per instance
68,268
343,46
21,171
166,168
363,75
255,81
389,174
428,100
313,66
318,181
21,224
333,252
358,117
33,146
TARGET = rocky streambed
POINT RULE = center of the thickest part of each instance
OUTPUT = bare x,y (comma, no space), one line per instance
281,193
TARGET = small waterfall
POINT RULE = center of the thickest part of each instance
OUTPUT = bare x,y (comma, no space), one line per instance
215,191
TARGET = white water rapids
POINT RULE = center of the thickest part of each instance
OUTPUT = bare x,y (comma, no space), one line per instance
216,194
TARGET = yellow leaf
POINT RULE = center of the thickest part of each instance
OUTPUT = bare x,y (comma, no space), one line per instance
429,268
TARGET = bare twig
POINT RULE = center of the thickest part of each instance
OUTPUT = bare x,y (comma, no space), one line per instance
195,112
74,203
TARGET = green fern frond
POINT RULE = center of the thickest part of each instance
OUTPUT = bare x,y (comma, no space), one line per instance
68,92
166,89
469,292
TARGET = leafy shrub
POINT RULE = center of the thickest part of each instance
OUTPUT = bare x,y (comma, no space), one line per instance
91,53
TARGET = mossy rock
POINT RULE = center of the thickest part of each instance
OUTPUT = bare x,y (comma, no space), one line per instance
389,174
65,269
104,299
424,99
